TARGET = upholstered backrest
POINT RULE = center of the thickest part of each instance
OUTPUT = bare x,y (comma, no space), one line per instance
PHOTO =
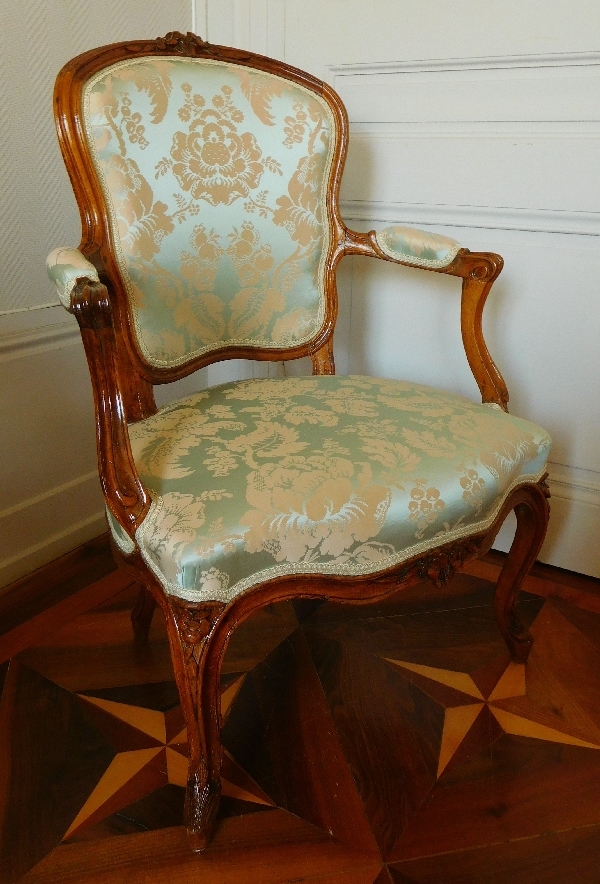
215,175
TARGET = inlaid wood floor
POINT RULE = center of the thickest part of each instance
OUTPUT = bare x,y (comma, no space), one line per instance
394,743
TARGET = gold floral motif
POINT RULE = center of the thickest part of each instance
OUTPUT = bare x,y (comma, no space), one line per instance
474,489
213,581
260,92
391,455
212,160
305,507
499,456
160,450
300,212
111,110
293,326
306,113
424,506
434,446
266,390
258,299
142,223
269,439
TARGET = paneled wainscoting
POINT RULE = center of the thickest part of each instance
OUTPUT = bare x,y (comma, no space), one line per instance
364,745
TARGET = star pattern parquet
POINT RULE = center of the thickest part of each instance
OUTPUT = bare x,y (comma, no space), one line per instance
394,743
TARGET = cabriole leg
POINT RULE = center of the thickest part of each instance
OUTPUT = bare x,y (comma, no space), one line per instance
192,630
532,511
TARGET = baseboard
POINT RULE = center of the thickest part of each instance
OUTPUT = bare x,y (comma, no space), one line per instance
33,606
38,529
39,554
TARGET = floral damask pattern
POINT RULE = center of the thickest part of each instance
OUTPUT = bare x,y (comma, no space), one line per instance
215,177
142,223
300,210
319,474
212,160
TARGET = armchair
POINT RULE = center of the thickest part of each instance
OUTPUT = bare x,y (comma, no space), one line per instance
207,180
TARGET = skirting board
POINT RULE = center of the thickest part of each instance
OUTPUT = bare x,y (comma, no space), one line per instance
39,554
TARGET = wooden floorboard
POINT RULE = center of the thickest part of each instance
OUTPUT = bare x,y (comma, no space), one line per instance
389,743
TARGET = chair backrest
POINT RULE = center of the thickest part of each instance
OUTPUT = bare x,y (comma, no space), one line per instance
207,180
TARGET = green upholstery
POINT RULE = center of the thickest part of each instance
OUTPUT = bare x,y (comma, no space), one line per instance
417,247
329,475
65,266
215,176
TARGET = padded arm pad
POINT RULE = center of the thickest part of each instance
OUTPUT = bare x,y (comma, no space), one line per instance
417,246
65,266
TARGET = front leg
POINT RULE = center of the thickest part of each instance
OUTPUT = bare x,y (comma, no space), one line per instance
532,511
192,632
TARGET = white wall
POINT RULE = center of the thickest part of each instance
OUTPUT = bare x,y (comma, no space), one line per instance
481,121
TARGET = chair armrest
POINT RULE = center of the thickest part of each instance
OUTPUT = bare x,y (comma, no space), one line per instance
417,247
124,493
65,268
440,254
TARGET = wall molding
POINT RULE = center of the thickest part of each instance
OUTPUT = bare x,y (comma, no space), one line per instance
58,489
38,554
38,340
569,483
588,129
498,218
474,63
40,528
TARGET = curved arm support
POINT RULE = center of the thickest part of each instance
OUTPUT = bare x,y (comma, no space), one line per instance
478,271
123,490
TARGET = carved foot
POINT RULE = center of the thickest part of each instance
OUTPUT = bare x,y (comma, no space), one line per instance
201,808
518,640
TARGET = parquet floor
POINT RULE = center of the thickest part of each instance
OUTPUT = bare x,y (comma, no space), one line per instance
395,743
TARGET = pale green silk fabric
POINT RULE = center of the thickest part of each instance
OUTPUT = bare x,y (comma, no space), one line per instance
323,475
418,247
65,266
216,177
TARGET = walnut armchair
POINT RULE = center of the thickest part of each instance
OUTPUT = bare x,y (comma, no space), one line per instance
207,180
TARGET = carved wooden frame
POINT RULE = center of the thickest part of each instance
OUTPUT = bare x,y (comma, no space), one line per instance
122,383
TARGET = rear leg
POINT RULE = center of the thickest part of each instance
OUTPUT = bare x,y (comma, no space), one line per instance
142,613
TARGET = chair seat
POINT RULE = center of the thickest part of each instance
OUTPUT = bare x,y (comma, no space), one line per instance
319,475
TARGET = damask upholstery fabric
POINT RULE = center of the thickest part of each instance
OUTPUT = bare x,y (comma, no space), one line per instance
328,475
417,247
216,179
65,266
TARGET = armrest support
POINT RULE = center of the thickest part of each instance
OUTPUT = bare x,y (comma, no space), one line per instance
123,490
478,271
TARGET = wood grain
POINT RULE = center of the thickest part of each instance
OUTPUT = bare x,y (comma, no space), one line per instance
270,847
322,732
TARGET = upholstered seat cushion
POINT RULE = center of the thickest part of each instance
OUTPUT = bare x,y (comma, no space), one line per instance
329,475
